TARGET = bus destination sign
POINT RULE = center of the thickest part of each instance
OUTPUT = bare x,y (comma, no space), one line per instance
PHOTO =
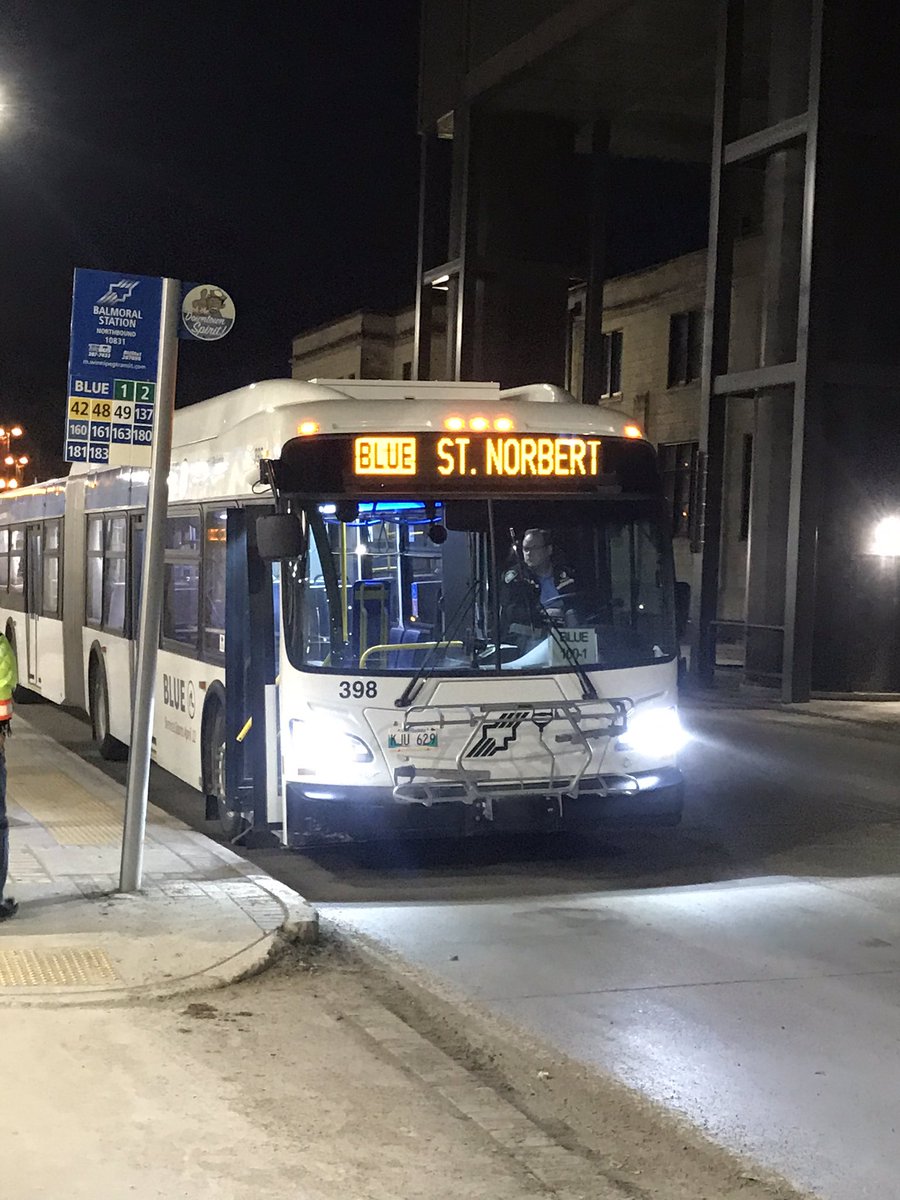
428,463
499,456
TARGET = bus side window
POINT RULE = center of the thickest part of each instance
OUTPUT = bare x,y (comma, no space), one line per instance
93,607
114,575
181,581
17,560
214,560
50,567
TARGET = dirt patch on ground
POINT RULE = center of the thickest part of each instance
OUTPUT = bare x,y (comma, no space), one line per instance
636,1147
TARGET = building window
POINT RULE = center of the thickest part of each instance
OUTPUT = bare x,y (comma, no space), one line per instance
685,347
678,467
407,370
611,352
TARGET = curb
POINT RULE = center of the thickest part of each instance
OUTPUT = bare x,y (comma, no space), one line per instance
875,727
479,1087
299,927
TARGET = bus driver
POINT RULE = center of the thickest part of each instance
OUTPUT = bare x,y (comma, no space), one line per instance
534,590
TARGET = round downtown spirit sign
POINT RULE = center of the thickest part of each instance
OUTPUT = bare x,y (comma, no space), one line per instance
207,312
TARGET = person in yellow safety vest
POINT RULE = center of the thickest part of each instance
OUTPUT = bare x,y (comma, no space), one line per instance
9,677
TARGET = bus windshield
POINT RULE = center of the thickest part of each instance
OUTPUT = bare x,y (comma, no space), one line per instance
484,585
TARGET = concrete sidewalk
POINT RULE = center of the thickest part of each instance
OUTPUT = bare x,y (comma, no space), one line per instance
879,717
205,917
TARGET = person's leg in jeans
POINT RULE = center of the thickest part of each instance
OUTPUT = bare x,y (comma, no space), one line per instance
8,905
4,823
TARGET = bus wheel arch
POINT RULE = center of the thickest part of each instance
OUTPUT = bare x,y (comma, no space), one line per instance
108,746
212,738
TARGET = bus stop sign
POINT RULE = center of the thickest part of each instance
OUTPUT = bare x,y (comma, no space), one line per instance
113,359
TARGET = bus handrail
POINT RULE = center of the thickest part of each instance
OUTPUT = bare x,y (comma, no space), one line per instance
405,646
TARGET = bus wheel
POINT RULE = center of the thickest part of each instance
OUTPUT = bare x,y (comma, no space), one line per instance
110,748
228,811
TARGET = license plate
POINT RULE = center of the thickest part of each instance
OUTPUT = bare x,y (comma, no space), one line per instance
413,739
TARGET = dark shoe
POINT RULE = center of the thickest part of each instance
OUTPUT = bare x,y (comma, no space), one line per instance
8,908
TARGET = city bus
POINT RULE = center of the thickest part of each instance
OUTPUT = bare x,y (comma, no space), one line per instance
389,607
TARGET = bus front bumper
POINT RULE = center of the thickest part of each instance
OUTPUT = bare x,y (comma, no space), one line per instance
316,813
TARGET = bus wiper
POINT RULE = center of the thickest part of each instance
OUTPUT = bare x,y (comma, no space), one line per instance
587,685
414,685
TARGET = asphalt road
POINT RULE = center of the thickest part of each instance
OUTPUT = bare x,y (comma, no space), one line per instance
742,970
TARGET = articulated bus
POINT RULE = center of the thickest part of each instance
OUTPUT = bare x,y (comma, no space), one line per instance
431,608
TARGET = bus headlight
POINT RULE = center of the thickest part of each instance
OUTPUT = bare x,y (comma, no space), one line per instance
654,732
318,744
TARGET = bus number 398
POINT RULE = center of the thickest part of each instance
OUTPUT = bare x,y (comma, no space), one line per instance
358,689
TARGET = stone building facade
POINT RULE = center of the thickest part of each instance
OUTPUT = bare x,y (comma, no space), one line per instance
652,326
361,345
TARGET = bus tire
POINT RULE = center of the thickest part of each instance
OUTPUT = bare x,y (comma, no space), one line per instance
227,812
109,747
22,694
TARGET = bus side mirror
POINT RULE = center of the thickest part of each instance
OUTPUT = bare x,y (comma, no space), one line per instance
278,536
682,608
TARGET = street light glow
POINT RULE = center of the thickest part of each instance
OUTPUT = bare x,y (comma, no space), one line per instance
886,538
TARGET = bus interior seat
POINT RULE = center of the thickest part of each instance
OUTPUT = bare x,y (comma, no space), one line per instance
407,637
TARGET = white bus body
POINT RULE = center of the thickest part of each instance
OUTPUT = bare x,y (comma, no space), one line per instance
394,712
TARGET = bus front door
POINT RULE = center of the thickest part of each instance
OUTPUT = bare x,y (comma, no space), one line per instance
251,721
34,566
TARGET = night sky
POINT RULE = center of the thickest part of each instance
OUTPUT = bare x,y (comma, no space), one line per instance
270,149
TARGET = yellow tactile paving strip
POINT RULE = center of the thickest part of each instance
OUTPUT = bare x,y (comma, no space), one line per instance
24,866
65,809
55,968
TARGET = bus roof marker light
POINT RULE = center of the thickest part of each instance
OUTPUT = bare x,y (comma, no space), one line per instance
454,423
305,428
633,431
479,424
504,424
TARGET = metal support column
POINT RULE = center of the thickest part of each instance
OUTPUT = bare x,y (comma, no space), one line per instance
421,362
707,518
461,281
800,589
788,565
593,367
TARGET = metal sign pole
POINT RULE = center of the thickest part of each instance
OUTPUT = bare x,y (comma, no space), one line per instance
151,595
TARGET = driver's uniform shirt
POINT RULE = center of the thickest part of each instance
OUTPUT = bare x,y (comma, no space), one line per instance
525,592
